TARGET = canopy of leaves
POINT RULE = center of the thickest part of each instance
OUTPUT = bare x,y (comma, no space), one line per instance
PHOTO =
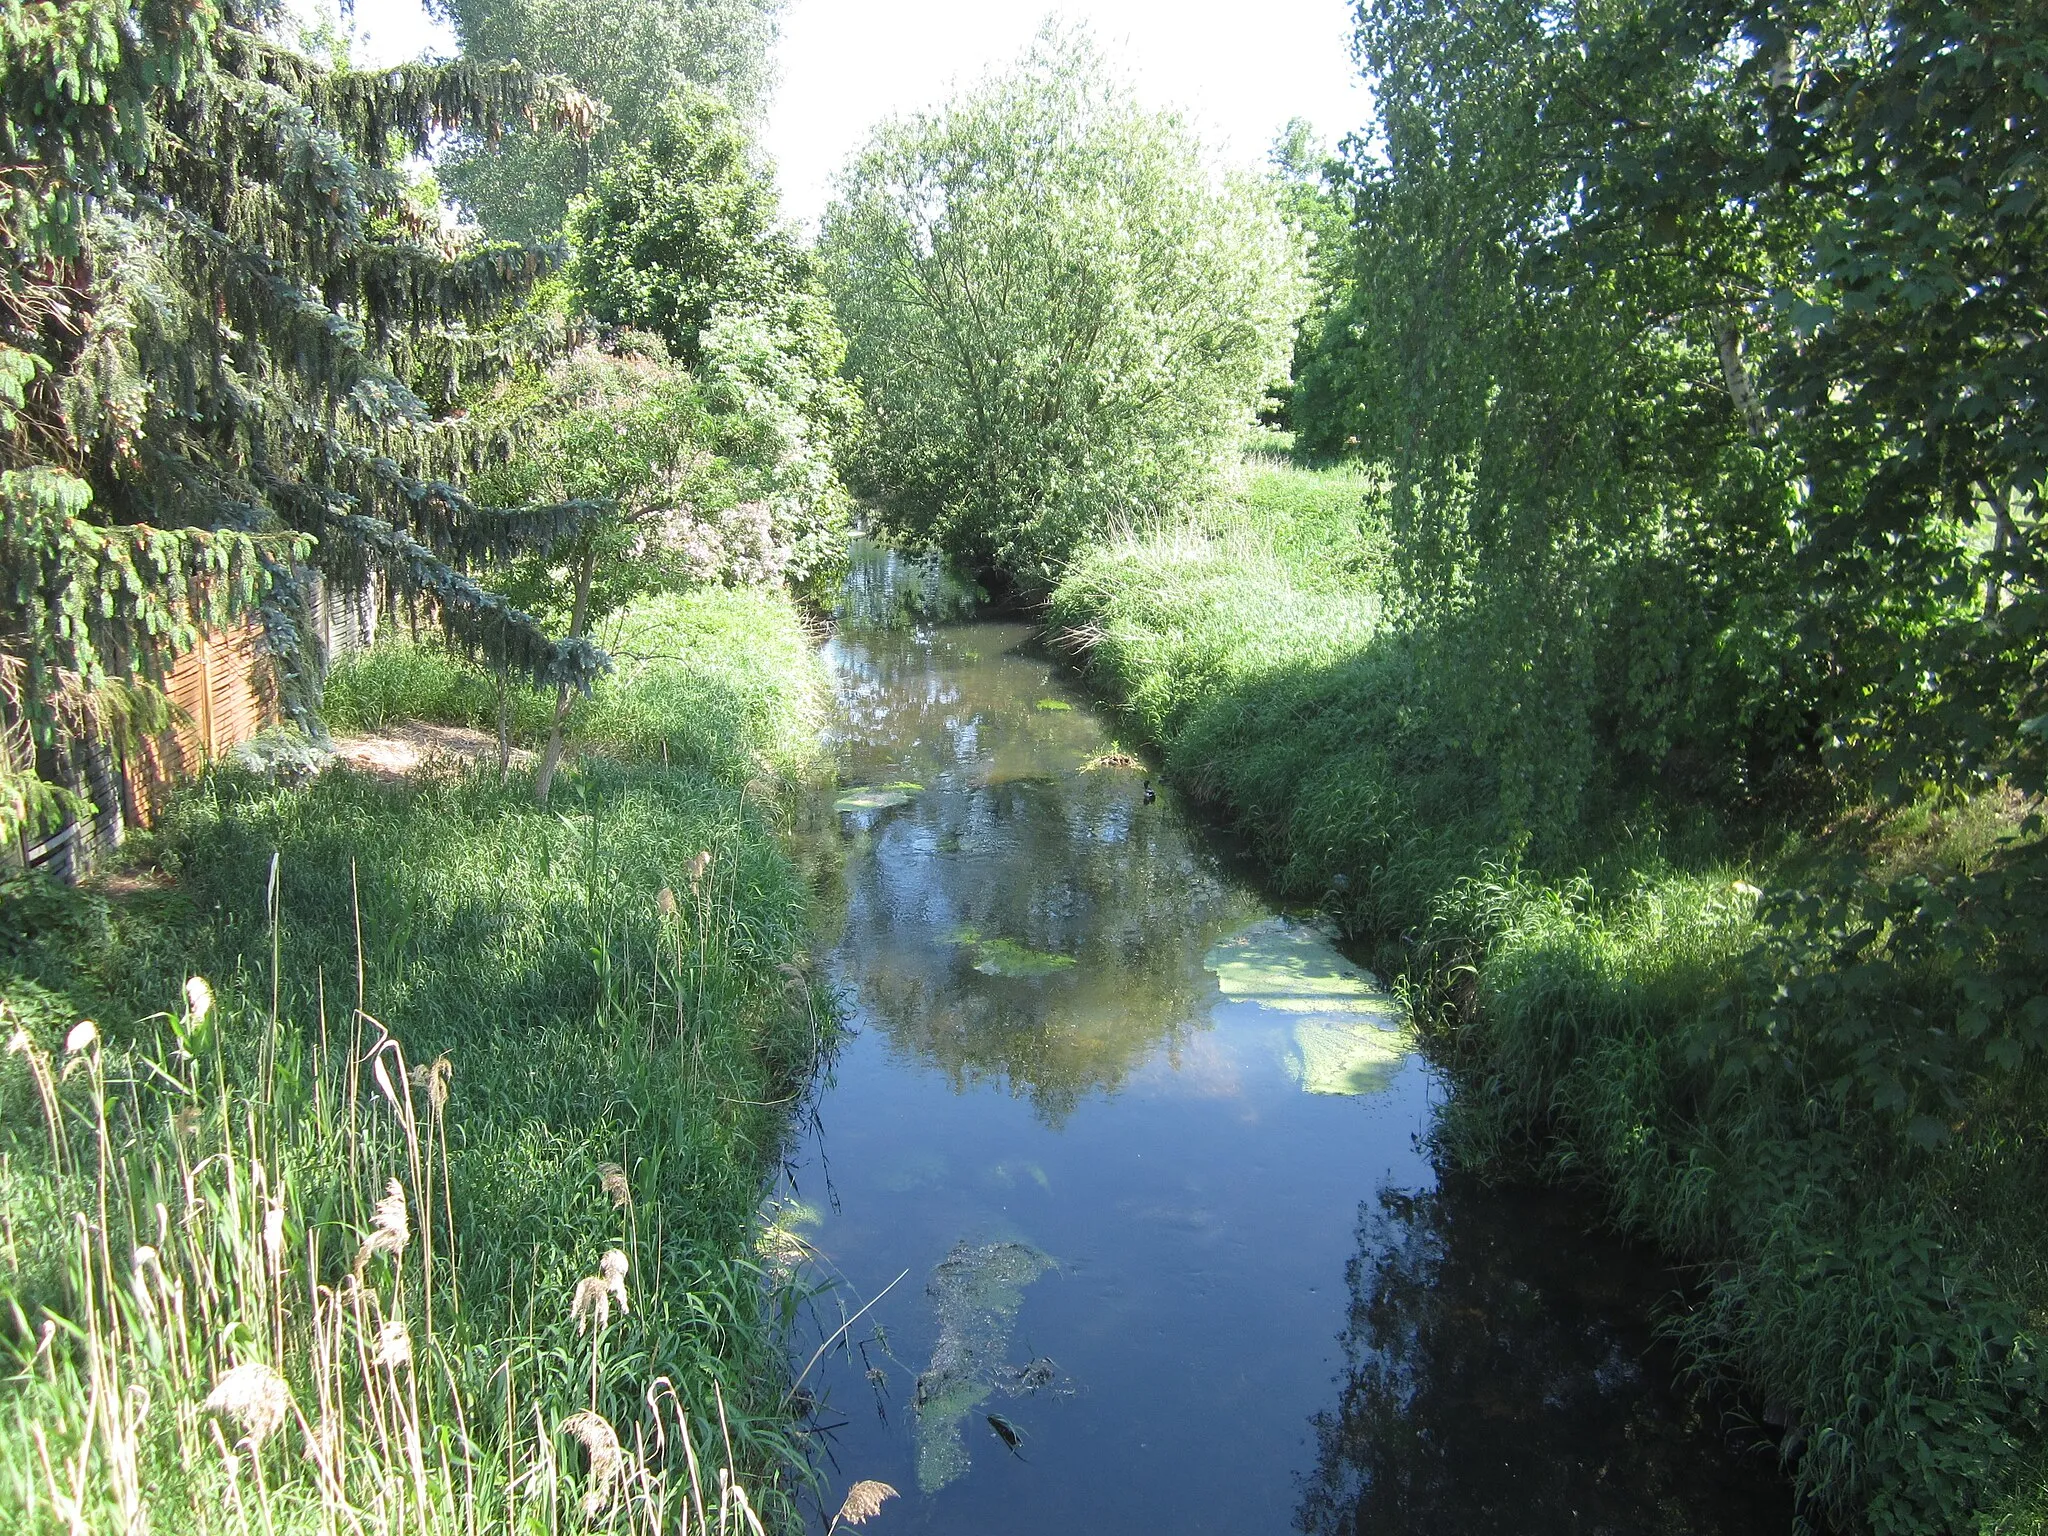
684,225
1702,346
710,475
223,327
1055,311
634,55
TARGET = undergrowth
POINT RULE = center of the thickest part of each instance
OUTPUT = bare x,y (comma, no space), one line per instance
1615,1005
408,1176
716,678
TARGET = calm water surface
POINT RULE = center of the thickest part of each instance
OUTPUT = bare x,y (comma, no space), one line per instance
1147,1158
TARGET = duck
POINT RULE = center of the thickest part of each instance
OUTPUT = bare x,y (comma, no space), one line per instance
1150,793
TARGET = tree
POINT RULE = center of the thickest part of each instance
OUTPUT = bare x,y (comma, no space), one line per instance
637,56
1057,314
223,331
684,225
701,475
705,419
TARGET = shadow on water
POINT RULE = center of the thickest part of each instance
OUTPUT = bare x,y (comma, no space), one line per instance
1095,1148
1500,1376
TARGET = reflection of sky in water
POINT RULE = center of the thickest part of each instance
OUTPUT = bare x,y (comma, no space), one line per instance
1077,1031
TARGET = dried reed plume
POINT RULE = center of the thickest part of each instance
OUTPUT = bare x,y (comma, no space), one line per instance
434,1076
394,1345
391,1229
255,1398
198,998
592,1303
665,903
864,1501
611,1178
82,1037
607,1460
698,866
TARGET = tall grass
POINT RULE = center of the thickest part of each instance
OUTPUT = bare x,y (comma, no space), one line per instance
409,1177
1603,1004
715,679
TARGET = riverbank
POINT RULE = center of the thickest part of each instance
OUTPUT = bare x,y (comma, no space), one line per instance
432,1203
1611,1006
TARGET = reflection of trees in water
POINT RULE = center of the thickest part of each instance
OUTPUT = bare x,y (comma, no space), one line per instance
1009,840
1066,868
1498,1377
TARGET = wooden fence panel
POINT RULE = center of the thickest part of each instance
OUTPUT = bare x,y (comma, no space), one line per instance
226,692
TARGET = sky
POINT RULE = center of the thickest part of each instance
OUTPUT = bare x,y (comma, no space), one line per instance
1238,71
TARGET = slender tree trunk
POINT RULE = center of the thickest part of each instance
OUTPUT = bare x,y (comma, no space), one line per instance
504,726
2001,541
1740,389
552,759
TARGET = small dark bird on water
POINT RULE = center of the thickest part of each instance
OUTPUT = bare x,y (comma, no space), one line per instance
1150,795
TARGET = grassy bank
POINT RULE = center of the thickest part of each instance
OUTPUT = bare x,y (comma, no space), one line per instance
434,1205
1614,1007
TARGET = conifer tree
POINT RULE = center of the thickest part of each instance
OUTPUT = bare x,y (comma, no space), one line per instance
228,333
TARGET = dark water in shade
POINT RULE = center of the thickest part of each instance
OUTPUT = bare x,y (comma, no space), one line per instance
1150,1167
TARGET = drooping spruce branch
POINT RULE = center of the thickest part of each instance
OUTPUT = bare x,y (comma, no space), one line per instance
226,322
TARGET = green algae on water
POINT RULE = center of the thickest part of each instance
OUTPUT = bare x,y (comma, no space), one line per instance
975,1293
877,797
1053,706
1348,1033
1006,957
1345,1057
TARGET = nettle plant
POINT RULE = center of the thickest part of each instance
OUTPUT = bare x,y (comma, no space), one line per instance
229,329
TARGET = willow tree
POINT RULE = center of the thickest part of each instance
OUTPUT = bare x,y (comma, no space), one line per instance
1057,314
227,331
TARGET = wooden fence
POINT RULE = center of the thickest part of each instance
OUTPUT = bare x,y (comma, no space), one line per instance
225,692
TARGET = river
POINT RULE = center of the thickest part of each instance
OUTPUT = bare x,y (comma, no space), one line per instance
1130,1173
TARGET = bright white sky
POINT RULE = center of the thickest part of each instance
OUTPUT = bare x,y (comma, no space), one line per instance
1237,70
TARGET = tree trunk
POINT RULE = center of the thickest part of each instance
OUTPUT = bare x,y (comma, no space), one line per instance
2001,540
552,759
504,726
1740,389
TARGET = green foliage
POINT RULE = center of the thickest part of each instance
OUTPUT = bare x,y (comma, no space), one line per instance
723,679
681,239
681,226
524,945
1693,343
221,314
639,57
1057,314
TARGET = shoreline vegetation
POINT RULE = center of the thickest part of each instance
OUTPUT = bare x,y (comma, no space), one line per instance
411,1162
1876,1299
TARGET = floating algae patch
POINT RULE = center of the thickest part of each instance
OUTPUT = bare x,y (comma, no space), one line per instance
1348,1034
1053,706
975,1293
1006,957
1345,1058
877,797
781,1245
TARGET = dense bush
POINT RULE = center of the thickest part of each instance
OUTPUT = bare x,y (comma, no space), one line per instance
1057,311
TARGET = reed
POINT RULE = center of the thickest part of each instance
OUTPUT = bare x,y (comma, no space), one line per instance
381,1078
